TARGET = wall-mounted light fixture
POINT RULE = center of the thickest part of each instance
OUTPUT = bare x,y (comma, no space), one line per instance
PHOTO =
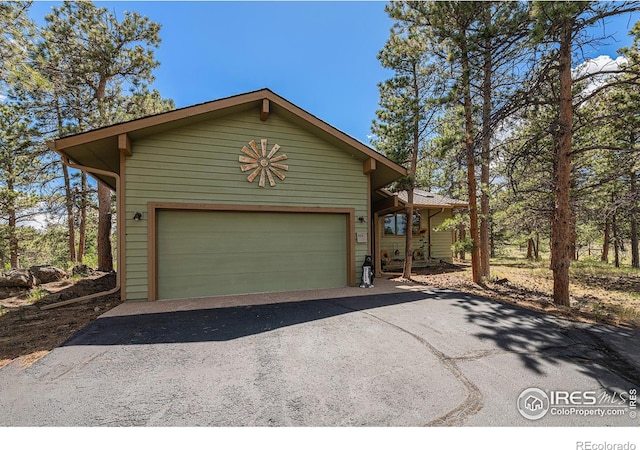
362,219
137,216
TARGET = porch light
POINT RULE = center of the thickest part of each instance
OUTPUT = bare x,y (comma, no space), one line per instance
137,216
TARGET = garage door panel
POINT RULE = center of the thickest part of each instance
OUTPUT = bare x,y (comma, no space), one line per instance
219,253
226,284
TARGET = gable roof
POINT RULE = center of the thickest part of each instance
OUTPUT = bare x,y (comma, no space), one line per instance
425,199
99,148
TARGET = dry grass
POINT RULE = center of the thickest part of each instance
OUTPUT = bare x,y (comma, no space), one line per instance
600,293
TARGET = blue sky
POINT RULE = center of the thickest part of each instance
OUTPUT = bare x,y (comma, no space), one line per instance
318,55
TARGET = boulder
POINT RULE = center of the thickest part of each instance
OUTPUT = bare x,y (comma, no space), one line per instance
82,270
18,278
47,274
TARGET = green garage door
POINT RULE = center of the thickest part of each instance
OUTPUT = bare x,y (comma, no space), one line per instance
205,253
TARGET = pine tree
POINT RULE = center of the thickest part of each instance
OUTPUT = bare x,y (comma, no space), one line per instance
407,113
559,24
17,34
20,170
93,58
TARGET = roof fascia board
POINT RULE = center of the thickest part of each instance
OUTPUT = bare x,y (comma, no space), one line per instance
159,119
324,126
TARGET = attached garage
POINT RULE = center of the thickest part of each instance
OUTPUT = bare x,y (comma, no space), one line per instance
207,253
245,194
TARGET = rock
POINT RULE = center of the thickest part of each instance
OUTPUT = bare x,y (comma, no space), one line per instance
82,270
47,274
18,278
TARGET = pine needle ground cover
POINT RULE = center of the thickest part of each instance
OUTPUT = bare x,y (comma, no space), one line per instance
28,333
600,293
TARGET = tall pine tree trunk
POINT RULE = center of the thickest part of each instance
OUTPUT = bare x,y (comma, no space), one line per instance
11,212
616,241
68,193
470,157
485,268
408,243
530,249
606,241
82,229
105,258
561,222
461,232
462,236
105,253
68,198
13,237
635,257
13,240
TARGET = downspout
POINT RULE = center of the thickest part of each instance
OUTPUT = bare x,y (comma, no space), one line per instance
119,219
429,228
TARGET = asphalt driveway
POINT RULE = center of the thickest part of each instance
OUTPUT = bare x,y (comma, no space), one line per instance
395,355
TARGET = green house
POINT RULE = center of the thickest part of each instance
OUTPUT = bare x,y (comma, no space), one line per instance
245,194
430,244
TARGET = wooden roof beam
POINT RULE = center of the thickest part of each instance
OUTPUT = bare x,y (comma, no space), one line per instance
124,144
369,166
264,112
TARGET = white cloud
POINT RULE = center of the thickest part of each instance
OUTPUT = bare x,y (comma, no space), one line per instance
602,64
600,70
39,222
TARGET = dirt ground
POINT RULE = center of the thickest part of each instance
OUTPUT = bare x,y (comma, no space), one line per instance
28,332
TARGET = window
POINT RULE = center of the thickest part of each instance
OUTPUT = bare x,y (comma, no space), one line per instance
396,224
390,225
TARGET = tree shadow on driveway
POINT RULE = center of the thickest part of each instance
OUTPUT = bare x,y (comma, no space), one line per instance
226,323
538,338
534,337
